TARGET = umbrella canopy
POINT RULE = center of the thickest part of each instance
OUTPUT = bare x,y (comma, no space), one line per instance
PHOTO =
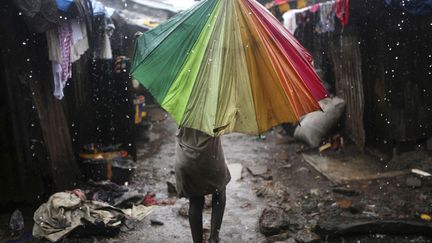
227,66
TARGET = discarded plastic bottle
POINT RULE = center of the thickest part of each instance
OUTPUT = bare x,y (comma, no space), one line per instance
16,222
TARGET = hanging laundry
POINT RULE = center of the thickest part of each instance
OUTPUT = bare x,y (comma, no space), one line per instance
327,18
315,8
98,8
301,4
415,7
290,21
59,52
80,42
341,9
102,49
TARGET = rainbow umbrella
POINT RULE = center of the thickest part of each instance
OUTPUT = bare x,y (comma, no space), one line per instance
227,66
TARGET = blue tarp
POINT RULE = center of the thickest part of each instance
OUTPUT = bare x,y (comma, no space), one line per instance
64,5
416,7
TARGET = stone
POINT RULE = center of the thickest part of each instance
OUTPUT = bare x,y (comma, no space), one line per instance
258,170
273,221
171,188
413,182
314,192
306,236
184,210
279,237
156,222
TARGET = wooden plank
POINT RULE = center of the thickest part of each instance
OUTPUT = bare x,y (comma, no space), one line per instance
347,63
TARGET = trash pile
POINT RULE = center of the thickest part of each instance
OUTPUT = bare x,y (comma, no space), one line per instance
100,210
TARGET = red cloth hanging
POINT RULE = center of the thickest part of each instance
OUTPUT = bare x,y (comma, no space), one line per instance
341,9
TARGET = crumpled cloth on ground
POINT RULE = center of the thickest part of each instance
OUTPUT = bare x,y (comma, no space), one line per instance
200,167
65,213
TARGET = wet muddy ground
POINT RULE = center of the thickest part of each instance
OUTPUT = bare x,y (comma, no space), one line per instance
290,184
306,199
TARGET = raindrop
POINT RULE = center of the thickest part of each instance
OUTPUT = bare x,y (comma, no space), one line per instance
21,14
28,59
396,58
397,43
24,43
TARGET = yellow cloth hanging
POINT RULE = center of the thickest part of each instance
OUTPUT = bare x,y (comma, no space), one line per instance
301,3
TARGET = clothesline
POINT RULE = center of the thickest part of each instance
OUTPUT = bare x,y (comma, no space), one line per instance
327,12
69,41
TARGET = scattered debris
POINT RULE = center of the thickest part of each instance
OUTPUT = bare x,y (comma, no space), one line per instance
314,192
245,205
272,190
346,191
279,238
284,156
306,236
335,227
344,203
303,170
413,182
426,217
261,171
324,147
288,166
138,212
273,221
290,240
156,222
421,172
184,210
286,140
65,213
